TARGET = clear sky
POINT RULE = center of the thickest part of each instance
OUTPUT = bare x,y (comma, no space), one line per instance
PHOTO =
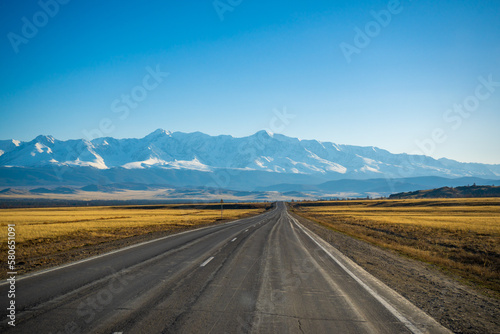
408,76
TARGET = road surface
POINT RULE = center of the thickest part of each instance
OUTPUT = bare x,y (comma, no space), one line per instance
264,274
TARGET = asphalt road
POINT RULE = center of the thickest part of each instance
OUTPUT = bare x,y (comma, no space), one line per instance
265,274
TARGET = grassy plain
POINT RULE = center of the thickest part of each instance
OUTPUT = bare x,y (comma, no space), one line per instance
461,236
42,233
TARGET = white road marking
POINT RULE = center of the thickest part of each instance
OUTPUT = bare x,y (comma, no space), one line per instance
206,261
234,239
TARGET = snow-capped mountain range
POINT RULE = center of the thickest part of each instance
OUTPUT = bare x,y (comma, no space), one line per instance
261,152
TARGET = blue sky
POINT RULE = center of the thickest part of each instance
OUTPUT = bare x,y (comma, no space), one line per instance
231,69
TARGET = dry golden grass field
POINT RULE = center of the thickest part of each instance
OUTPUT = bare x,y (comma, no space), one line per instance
461,236
42,233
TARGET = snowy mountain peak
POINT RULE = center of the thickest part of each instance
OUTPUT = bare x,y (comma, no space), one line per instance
8,145
264,134
262,151
46,140
159,133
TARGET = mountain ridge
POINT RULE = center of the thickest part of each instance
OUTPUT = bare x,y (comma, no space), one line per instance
260,155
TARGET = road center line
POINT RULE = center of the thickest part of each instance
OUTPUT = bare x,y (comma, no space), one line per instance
206,261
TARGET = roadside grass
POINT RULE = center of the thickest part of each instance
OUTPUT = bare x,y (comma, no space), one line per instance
461,236
45,232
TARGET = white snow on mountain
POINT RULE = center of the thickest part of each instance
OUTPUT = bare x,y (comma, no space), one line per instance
262,151
8,145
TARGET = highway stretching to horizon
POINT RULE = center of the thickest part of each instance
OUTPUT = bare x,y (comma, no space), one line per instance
263,274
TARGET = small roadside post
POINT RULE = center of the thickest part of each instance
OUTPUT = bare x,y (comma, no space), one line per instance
221,208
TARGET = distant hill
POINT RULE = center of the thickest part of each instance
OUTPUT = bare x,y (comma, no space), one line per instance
116,187
449,192
58,190
13,191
